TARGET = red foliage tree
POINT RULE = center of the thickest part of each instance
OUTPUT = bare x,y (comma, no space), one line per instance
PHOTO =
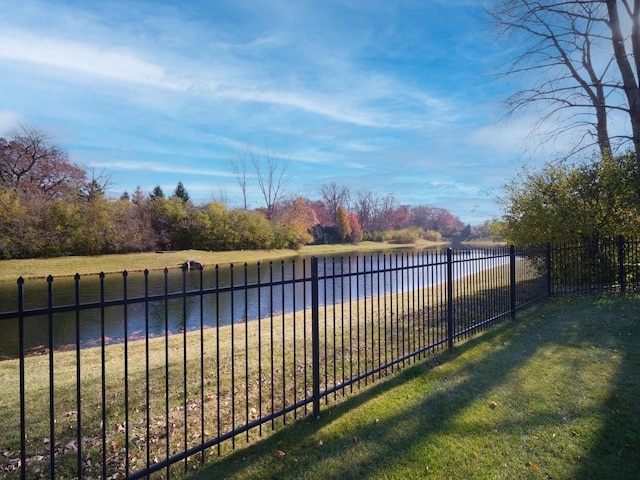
322,213
29,164
436,218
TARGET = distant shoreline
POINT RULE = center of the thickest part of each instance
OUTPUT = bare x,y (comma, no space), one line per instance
11,270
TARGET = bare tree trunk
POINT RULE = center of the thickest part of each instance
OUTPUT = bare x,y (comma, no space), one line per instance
628,76
366,206
557,51
239,166
270,173
334,196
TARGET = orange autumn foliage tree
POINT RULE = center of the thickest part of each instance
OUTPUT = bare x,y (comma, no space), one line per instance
356,230
297,217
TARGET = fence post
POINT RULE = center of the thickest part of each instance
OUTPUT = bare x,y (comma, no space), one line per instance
622,276
23,389
315,338
512,281
549,271
450,330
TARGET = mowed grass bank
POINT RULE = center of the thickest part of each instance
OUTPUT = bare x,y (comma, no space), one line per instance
552,395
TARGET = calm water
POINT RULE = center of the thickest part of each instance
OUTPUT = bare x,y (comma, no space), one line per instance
221,306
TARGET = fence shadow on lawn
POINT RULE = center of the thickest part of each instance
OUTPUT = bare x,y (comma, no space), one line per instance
465,381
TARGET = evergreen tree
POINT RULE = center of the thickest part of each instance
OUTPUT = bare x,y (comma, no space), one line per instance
138,196
156,193
181,193
92,190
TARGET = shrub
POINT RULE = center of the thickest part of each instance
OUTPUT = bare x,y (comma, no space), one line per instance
406,235
431,235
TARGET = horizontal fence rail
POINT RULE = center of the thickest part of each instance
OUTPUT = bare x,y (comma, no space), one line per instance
123,376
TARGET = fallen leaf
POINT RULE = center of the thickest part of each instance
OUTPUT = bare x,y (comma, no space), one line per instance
354,439
535,467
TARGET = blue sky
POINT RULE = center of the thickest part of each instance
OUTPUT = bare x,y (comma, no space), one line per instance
381,95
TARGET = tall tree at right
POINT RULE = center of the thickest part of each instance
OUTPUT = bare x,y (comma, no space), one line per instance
584,61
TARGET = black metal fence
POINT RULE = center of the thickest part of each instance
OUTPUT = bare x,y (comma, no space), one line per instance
147,376
603,265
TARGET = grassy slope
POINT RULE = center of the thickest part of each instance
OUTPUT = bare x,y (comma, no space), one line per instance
565,382
12,269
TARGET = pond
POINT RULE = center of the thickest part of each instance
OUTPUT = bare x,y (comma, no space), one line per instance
259,290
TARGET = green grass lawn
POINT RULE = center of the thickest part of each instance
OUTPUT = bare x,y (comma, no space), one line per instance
553,395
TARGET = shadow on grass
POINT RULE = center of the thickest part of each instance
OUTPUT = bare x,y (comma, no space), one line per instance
386,447
615,453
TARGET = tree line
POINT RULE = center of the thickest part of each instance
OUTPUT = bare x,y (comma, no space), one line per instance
50,206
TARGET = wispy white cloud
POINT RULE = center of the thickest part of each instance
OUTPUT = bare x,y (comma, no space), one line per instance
357,105
84,58
159,168
313,103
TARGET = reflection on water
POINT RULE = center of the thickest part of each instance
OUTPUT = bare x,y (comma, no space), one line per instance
215,296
